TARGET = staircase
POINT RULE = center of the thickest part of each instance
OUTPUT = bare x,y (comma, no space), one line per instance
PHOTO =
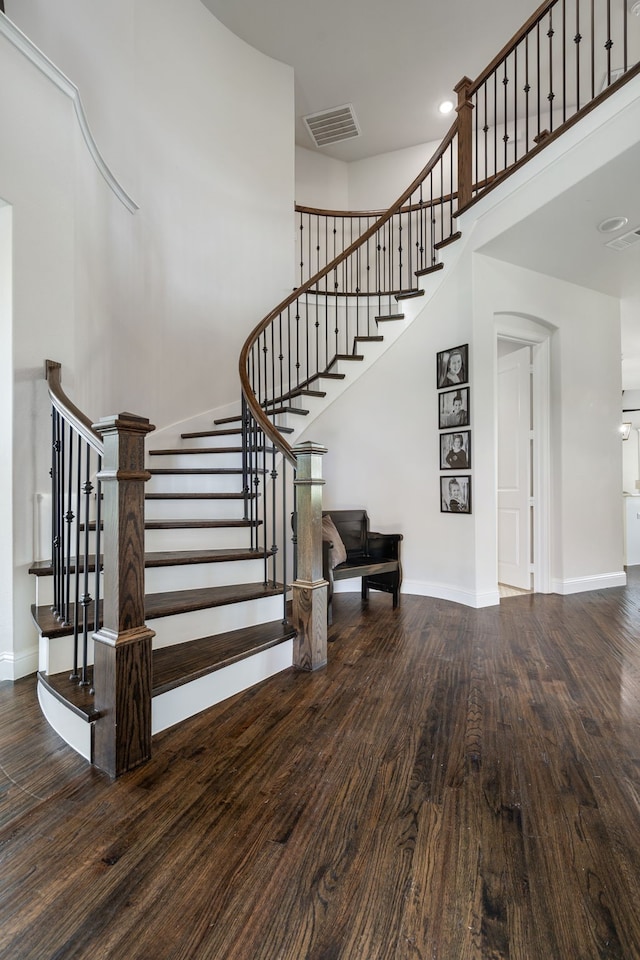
217,547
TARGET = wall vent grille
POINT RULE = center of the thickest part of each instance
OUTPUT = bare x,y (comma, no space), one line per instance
331,126
626,240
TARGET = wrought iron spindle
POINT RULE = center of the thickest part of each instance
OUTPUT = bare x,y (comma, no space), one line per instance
87,490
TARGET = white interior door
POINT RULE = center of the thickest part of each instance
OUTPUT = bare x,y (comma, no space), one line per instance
514,468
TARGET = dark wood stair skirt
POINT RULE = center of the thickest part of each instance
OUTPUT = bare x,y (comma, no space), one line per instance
179,664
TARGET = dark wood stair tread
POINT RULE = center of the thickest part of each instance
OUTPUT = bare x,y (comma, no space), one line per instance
167,604
232,432
409,294
167,558
187,524
445,243
193,451
198,496
197,471
432,269
179,664
183,662
389,316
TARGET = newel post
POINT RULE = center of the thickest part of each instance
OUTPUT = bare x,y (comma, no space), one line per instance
465,142
122,646
310,588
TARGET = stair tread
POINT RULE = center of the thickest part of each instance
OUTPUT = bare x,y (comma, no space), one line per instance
194,451
444,243
233,432
166,604
239,420
198,496
390,316
166,558
375,339
187,524
432,269
183,662
409,294
196,471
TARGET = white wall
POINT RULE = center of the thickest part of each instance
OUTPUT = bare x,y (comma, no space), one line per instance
370,184
144,310
382,434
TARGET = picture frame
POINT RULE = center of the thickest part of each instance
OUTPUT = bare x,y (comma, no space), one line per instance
454,408
452,366
455,450
455,494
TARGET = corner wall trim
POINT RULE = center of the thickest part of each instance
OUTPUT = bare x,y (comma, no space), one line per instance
22,43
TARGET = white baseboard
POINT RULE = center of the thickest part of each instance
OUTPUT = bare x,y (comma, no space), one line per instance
600,581
13,666
438,591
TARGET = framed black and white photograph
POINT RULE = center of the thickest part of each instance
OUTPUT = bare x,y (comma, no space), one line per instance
455,494
453,408
455,450
452,366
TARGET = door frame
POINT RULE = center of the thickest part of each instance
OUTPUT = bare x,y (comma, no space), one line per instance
530,331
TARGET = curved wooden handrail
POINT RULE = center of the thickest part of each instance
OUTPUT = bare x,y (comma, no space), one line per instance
364,214
258,413
72,414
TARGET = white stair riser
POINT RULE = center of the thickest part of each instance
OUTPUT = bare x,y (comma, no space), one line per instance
191,698
194,483
205,623
177,577
195,576
196,461
227,440
199,538
56,655
194,509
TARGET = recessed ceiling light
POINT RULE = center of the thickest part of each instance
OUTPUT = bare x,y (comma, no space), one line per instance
446,106
611,224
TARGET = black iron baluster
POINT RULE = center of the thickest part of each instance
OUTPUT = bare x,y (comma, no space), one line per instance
609,42
77,603
551,95
56,563
505,135
301,242
69,518
564,61
87,490
577,38
274,490
625,45
593,50
539,126
284,540
98,545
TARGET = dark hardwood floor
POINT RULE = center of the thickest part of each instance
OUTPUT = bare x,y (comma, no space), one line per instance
456,784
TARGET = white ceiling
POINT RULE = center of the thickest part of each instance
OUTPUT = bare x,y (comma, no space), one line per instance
394,61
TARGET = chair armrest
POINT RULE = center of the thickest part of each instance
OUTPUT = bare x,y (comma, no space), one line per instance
385,545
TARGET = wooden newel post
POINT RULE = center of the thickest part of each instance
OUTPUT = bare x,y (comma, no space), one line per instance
310,588
122,646
465,142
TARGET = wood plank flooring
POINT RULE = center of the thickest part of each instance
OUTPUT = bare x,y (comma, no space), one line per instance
456,783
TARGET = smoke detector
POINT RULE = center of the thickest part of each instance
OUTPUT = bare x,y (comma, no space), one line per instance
333,125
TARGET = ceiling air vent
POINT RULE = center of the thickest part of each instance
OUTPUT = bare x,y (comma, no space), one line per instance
331,126
626,240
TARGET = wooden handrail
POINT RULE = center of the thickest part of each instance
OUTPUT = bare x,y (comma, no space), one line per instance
258,413
363,214
72,414
508,47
